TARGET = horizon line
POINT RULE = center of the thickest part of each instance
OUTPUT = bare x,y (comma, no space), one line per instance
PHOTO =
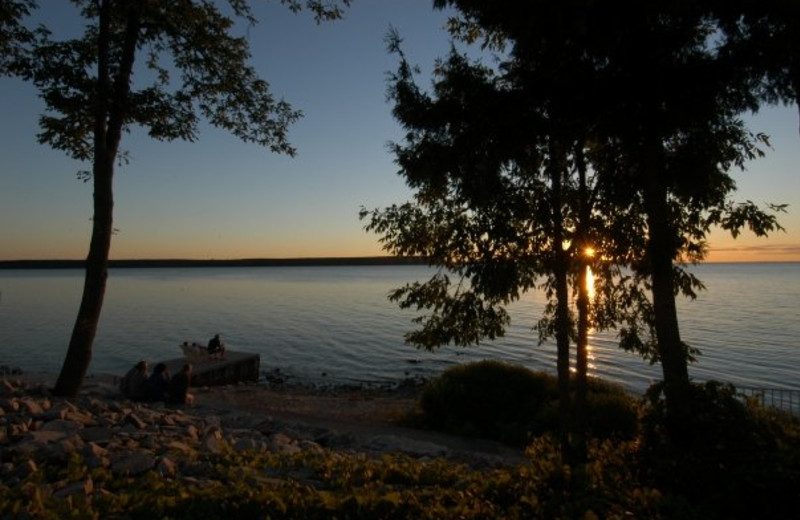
211,262
265,262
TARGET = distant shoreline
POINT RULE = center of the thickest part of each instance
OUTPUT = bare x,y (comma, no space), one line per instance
258,262
244,262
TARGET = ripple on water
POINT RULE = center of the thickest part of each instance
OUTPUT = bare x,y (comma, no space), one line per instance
337,321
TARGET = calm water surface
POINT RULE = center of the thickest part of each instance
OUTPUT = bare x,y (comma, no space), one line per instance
334,324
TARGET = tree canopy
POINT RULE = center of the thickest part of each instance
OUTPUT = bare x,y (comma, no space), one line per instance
599,124
160,65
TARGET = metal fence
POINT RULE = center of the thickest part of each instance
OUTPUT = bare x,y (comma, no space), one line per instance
780,398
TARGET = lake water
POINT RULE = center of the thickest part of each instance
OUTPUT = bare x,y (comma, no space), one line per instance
335,324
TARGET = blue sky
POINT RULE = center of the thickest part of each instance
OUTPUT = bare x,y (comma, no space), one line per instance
220,198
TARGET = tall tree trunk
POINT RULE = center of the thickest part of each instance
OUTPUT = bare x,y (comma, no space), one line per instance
560,274
110,109
79,353
662,250
582,347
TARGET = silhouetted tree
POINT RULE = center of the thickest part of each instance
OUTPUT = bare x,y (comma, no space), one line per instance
502,201
666,130
13,33
760,41
637,93
674,125
196,68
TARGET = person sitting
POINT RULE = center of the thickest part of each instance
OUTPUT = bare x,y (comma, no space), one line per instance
216,350
134,383
178,389
157,383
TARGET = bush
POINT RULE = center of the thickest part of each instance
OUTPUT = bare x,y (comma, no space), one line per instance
726,456
509,403
487,399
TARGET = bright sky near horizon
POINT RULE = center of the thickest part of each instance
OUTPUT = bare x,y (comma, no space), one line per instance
218,198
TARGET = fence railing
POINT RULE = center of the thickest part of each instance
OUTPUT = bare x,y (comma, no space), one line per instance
780,398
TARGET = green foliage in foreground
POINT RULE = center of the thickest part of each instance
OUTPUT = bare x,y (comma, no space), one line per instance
329,485
508,403
739,461
725,455
726,458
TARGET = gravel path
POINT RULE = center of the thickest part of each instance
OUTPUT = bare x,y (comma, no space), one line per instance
349,419
344,419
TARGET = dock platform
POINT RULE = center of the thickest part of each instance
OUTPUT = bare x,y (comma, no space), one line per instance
234,368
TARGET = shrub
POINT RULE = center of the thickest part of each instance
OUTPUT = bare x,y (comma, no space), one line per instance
495,400
486,399
728,457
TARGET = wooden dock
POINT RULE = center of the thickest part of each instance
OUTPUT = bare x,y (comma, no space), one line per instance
234,368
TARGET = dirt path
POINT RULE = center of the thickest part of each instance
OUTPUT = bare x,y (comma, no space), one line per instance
358,420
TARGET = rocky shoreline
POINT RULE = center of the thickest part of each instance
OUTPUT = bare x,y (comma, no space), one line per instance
129,438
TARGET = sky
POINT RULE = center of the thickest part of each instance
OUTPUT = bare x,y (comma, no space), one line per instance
218,198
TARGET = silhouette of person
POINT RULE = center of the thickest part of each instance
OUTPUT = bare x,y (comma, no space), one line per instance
215,347
178,389
157,383
134,384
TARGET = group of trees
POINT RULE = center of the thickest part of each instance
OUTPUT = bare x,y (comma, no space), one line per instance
601,134
605,127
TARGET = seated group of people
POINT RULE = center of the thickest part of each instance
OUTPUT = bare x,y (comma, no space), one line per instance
215,349
138,385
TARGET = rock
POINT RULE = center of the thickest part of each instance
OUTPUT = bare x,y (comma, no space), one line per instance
311,446
134,463
7,388
135,421
68,406
43,436
31,406
62,425
416,448
281,443
96,434
166,467
77,488
94,449
17,430
84,419
25,469
249,445
178,446
213,443
71,444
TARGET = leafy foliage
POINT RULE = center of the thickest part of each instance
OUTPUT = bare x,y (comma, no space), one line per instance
13,34
328,485
509,403
195,67
641,103
727,456
730,459
159,65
